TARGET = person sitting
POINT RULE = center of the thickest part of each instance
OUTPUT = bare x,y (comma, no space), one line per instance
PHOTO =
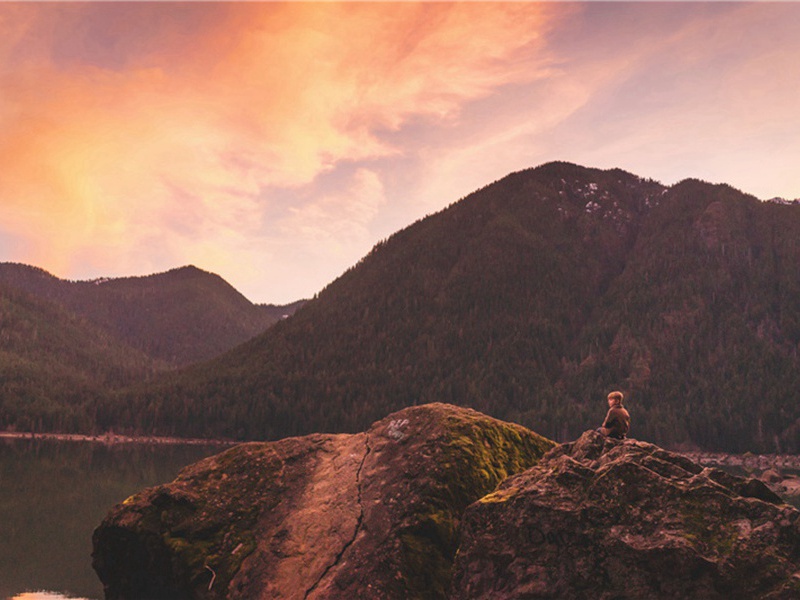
618,420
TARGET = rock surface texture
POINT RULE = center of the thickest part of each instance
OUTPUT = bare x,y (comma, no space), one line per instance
371,515
600,518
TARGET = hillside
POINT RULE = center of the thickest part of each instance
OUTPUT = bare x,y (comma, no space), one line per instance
529,300
67,344
54,365
178,317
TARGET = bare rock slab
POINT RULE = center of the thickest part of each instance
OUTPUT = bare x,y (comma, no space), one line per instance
369,515
600,518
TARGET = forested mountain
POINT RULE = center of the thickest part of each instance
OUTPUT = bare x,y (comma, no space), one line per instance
54,365
530,300
65,344
178,317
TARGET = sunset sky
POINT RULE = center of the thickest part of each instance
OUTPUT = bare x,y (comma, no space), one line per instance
275,144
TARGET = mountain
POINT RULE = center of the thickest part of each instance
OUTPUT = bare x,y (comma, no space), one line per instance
530,300
66,344
178,317
411,509
55,365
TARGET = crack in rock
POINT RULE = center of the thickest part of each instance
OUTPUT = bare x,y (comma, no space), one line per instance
359,520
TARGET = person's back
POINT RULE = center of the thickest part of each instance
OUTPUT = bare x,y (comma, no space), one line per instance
618,421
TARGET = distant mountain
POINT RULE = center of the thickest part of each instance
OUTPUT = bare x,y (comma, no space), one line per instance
530,300
482,304
54,365
178,317
65,344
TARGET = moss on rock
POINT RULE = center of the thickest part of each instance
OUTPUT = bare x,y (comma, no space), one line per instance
371,515
467,455
626,519
203,522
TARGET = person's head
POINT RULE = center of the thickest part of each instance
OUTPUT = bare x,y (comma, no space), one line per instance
615,399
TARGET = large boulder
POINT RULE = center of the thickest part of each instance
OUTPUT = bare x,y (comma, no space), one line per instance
601,519
370,515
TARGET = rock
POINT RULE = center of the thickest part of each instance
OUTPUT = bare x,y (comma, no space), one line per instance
370,515
600,518
771,475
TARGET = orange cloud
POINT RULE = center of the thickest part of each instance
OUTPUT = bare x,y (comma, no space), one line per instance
156,143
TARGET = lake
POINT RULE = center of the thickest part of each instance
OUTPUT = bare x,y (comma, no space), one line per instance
52,496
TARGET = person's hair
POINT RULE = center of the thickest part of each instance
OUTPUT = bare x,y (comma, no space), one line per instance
616,396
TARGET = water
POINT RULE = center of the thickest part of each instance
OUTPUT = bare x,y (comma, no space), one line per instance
52,496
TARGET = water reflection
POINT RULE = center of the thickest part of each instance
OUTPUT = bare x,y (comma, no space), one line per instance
44,596
52,496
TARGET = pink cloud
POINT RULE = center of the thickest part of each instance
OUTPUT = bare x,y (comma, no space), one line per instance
123,125
276,142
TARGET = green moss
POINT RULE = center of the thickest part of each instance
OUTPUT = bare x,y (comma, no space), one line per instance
488,451
192,553
223,553
432,569
496,497
205,519
473,456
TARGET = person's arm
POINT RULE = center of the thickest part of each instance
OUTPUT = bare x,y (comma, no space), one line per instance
604,429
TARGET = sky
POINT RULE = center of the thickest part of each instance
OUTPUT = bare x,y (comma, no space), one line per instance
276,143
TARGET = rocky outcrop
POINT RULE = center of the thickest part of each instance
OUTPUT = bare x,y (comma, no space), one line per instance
370,515
600,518
411,509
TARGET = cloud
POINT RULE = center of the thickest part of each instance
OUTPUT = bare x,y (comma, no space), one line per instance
343,215
141,134
684,96
274,143
665,90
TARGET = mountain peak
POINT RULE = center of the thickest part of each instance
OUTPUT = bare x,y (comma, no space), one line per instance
531,297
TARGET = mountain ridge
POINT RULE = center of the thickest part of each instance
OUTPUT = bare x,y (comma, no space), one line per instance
66,344
142,310
529,300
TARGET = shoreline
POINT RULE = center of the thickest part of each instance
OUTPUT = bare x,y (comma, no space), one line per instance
110,439
746,460
706,458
